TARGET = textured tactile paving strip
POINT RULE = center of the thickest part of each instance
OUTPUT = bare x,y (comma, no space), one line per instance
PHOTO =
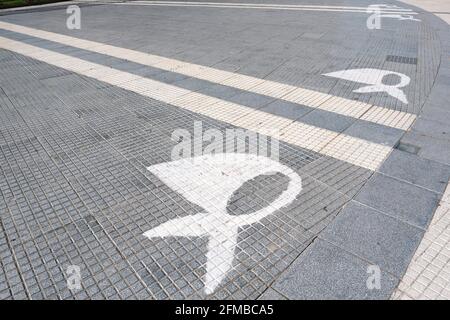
428,275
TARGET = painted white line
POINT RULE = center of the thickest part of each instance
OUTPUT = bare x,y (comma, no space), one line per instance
340,146
62,3
395,8
310,98
263,6
248,7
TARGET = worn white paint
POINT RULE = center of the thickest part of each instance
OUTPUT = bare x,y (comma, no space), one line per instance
374,77
209,181
262,6
400,17
374,20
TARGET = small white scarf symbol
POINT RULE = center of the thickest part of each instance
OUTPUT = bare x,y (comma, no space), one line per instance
209,181
392,11
374,78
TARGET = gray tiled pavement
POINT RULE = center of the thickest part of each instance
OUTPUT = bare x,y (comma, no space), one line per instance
74,188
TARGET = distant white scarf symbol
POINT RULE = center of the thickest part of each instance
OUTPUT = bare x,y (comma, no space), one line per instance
209,181
389,11
374,78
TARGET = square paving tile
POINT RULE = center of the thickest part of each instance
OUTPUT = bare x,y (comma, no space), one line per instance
286,109
327,120
378,238
325,271
251,100
399,199
430,148
416,170
432,128
374,132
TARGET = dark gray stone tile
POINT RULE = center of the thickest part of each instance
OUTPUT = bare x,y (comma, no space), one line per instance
436,113
325,271
168,77
327,120
444,74
286,109
147,72
126,66
439,95
399,199
191,84
374,132
430,148
251,99
219,91
423,172
432,128
376,237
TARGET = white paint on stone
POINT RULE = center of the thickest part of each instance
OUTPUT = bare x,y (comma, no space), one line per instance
400,17
374,78
298,95
209,181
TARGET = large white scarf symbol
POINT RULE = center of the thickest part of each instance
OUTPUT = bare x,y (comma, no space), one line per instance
209,181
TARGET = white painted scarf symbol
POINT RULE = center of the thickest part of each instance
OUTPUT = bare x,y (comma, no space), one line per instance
209,181
389,11
374,78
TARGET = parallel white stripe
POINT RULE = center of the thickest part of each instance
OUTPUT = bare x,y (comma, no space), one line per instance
264,7
340,146
315,99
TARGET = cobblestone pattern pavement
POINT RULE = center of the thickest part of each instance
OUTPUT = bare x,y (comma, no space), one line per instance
74,151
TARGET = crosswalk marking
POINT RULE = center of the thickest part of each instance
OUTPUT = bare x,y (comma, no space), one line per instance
390,10
340,146
310,98
393,8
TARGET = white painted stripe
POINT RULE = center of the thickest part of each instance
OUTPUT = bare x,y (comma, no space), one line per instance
310,98
264,7
340,146
267,5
